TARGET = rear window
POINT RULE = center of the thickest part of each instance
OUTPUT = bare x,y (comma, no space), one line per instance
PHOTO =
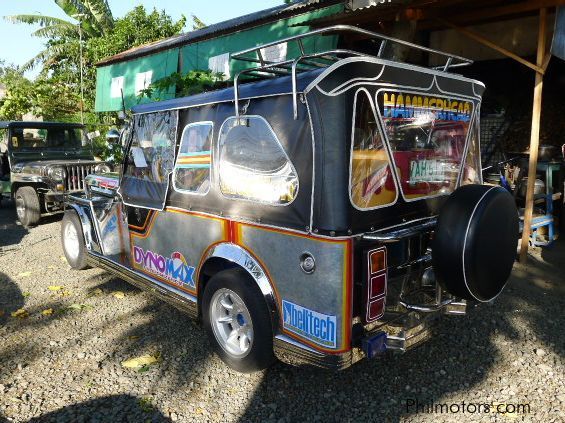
427,136
371,183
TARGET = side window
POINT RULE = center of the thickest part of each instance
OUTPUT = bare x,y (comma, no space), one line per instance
150,160
253,164
371,180
192,170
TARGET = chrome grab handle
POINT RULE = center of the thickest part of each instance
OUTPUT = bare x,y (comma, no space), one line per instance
402,233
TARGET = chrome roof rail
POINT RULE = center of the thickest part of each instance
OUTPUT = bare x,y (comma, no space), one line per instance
304,62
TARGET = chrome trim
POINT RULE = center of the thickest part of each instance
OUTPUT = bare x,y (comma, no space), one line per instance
456,308
426,308
236,254
402,233
404,332
86,225
291,352
75,174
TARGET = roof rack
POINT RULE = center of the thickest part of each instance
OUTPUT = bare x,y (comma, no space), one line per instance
305,62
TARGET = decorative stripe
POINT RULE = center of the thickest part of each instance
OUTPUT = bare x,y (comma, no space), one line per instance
193,166
204,159
196,153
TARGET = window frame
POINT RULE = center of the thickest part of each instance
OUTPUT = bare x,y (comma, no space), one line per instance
212,161
217,164
475,125
447,95
386,148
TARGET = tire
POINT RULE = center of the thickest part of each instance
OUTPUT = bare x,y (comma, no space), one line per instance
475,242
251,347
72,240
27,206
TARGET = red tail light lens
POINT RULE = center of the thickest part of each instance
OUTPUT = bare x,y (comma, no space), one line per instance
376,284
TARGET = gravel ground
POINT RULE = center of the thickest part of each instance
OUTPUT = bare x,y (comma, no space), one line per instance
63,361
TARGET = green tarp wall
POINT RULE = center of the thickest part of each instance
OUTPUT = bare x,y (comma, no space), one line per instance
162,64
195,56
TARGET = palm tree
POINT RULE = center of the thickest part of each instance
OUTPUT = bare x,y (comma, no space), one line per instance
95,19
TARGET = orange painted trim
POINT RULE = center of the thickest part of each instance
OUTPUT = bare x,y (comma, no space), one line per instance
348,294
142,228
148,230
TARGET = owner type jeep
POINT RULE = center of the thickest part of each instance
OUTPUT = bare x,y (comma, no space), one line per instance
41,162
332,212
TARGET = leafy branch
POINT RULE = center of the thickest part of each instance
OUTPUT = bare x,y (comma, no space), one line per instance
193,82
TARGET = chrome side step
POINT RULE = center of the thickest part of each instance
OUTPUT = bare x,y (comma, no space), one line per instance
183,301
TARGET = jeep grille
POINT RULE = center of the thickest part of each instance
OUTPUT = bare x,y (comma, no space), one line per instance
76,175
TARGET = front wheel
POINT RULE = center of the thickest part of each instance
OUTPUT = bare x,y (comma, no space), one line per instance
237,321
27,206
73,241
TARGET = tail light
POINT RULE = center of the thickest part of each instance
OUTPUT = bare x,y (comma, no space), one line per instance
376,284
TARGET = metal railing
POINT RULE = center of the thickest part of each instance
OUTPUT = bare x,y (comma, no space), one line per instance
305,61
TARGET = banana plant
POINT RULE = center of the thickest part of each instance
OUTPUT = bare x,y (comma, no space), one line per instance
94,17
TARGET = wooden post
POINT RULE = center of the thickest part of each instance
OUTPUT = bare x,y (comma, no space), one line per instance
534,141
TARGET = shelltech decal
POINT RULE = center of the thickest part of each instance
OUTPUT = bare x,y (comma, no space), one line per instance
316,327
174,269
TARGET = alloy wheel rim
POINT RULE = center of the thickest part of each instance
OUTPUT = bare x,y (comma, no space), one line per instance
71,241
231,323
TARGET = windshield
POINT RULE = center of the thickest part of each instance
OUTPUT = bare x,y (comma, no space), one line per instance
427,136
47,138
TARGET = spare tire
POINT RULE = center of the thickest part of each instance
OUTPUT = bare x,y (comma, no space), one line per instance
475,242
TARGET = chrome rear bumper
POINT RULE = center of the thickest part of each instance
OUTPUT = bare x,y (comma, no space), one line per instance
402,332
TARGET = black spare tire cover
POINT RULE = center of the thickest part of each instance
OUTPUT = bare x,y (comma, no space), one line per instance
475,242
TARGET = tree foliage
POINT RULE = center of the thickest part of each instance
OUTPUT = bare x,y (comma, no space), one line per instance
193,82
55,94
47,96
134,29
94,19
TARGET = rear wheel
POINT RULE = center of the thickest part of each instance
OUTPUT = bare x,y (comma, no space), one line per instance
27,206
73,241
237,321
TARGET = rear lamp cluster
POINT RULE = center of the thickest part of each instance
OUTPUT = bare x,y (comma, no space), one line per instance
376,284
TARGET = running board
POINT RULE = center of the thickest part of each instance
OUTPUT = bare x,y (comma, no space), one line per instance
184,302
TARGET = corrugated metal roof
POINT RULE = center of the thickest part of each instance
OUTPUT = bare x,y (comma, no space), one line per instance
230,25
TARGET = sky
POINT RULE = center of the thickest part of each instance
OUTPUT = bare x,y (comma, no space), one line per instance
17,46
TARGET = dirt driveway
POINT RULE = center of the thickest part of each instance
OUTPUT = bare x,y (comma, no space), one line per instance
62,354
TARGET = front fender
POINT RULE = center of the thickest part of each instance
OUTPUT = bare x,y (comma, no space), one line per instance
85,217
